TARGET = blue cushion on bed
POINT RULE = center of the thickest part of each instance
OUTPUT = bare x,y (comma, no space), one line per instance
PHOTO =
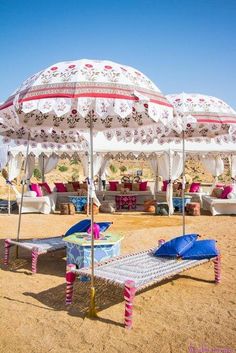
202,249
176,246
84,225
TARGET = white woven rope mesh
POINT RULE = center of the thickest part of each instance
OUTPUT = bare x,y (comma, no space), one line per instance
143,268
43,245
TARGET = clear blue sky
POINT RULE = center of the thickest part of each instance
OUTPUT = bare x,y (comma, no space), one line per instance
182,45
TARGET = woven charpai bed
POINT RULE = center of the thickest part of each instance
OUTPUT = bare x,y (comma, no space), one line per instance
36,247
134,273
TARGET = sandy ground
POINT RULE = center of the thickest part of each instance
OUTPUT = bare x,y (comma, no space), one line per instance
187,314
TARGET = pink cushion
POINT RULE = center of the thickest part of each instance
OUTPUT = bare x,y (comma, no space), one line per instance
113,185
60,187
47,187
143,186
227,190
195,187
37,189
220,185
164,186
76,185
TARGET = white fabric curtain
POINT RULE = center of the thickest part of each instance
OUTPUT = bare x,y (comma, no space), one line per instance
103,172
30,166
14,166
97,164
170,167
47,164
85,164
213,165
176,169
233,166
153,162
3,156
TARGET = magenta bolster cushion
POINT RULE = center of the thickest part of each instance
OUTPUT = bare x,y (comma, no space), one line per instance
37,189
227,190
113,185
143,186
195,187
60,187
165,183
47,187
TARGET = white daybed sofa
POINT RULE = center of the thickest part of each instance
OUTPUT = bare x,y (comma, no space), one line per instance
219,206
44,204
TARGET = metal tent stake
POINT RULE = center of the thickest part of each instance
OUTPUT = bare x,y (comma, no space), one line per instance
22,195
92,310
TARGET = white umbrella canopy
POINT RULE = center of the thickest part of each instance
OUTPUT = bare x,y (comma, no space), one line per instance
67,97
202,117
71,97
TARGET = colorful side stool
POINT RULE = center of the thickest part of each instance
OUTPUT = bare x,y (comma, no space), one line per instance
193,209
162,209
79,248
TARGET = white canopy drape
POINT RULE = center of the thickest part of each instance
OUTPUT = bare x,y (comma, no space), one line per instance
153,162
233,166
213,165
170,167
14,166
103,172
47,164
3,156
30,166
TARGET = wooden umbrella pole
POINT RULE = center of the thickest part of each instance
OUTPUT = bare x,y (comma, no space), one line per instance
183,181
92,309
22,195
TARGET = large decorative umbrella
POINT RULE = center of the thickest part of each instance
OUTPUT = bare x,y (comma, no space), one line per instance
199,117
60,102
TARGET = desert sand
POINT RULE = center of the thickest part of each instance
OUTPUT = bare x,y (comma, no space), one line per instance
189,313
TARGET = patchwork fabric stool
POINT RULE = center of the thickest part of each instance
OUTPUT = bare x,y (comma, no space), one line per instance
193,208
149,206
162,208
107,207
79,248
67,208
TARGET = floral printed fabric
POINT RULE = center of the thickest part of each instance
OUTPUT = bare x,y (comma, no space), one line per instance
58,103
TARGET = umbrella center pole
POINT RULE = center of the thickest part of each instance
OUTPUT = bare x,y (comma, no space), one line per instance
22,196
92,310
183,182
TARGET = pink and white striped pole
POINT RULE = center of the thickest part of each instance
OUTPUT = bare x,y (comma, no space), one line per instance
217,268
7,246
160,242
35,255
129,294
70,279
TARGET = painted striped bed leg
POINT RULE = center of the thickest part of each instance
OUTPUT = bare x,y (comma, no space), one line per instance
7,246
217,268
70,279
35,255
160,242
129,294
